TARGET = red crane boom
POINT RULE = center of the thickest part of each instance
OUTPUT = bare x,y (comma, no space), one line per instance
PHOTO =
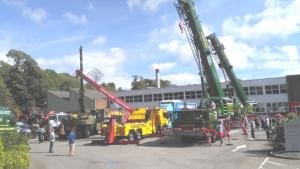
101,89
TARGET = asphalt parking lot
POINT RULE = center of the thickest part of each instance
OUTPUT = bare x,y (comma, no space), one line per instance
164,152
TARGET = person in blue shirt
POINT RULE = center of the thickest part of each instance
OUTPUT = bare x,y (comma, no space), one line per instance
71,138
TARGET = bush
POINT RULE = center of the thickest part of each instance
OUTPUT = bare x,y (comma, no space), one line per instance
1,154
15,151
17,158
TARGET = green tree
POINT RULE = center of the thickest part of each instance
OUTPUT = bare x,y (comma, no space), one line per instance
141,83
109,86
24,80
6,98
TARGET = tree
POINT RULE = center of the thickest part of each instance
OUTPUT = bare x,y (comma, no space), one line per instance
96,75
24,80
138,83
6,98
141,83
109,86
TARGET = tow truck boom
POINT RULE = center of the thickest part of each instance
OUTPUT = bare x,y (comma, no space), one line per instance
101,89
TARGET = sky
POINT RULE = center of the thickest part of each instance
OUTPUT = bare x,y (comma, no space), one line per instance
123,38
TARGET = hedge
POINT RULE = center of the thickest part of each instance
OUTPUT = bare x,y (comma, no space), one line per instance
1,154
14,151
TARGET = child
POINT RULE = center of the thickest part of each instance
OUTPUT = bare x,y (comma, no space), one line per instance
245,132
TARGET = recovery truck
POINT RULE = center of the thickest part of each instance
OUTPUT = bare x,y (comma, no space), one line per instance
136,122
214,105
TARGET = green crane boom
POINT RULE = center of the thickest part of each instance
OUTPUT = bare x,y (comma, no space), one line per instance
192,27
224,64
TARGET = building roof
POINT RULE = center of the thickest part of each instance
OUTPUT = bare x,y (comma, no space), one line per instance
93,94
62,94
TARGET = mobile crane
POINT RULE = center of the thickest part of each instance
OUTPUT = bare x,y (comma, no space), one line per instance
136,123
214,105
224,64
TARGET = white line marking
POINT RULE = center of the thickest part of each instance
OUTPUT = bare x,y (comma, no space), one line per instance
239,147
263,163
275,163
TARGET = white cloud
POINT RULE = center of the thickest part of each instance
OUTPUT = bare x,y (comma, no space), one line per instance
182,78
36,15
179,48
109,63
99,40
163,66
76,19
279,18
238,52
174,41
4,58
145,4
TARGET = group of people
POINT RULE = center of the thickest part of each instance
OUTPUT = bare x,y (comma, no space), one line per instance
265,123
71,138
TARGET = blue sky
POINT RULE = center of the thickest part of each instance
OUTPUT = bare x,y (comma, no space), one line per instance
132,37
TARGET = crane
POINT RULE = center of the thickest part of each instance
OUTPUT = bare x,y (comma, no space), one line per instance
200,49
218,48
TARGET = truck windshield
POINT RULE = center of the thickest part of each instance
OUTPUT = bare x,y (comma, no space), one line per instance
167,105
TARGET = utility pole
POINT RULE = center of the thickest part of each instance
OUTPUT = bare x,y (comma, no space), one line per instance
81,99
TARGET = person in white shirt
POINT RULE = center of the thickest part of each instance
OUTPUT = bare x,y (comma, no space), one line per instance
52,140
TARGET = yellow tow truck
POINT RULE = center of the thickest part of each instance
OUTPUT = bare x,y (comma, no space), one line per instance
141,122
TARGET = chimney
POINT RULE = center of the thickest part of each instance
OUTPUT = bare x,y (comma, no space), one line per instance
157,78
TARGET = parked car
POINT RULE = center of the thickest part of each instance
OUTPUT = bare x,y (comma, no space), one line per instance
23,128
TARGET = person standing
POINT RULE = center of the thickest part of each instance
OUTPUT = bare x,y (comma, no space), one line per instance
220,132
157,121
71,138
252,126
245,132
52,140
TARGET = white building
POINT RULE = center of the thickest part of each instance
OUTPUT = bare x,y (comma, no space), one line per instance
269,93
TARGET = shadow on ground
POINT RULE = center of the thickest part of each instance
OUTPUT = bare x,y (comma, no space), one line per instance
259,152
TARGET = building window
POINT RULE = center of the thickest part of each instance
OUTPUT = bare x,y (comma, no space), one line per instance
275,89
277,107
283,89
256,90
259,108
199,94
227,94
138,98
259,90
157,97
121,97
168,96
272,89
246,90
178,95
148,98
188,95
129,99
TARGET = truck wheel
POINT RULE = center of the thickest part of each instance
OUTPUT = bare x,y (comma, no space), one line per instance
87,131
131,136
139,134
187,139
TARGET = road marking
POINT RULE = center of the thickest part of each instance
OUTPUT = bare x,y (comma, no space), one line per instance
263,163
275,163
239,147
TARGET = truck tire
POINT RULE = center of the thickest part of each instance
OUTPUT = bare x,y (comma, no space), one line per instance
138,134
131,136
187,139
87,131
